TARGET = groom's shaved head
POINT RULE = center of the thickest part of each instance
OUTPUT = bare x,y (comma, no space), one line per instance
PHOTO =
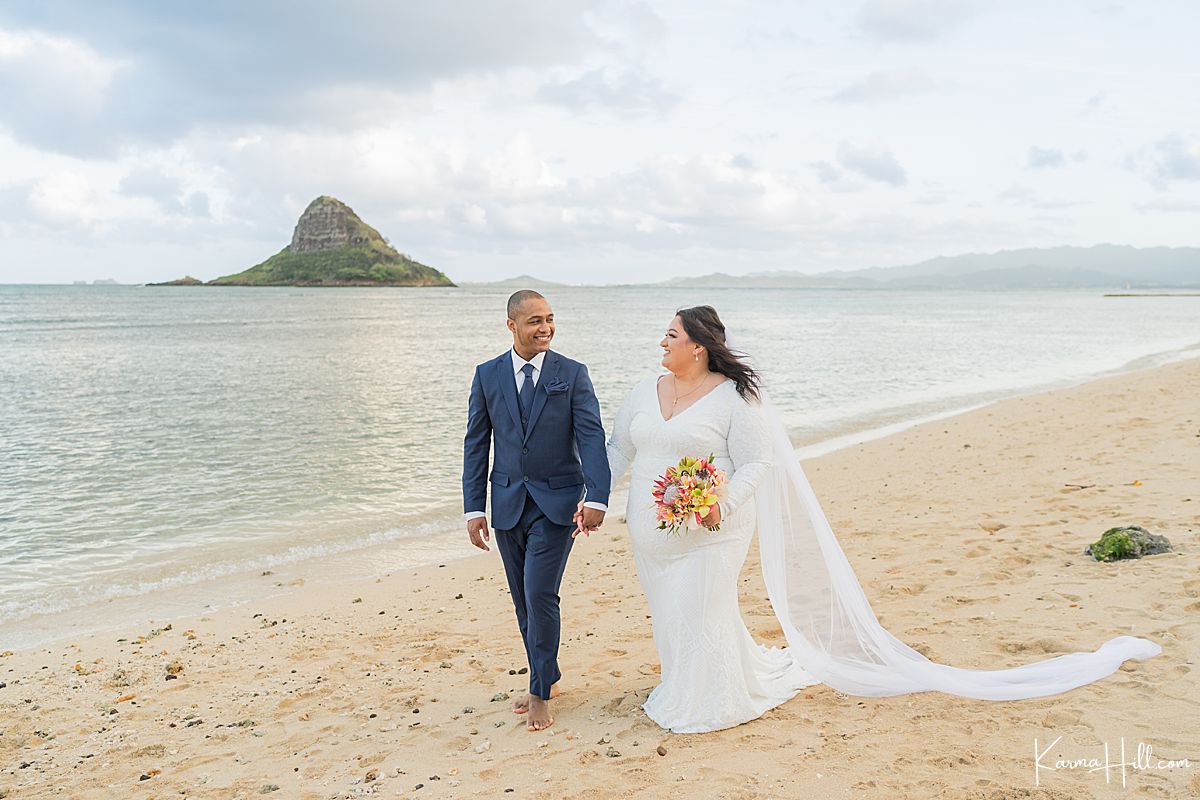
518,298
531,321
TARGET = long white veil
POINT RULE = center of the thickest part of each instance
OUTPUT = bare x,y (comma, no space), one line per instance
834,635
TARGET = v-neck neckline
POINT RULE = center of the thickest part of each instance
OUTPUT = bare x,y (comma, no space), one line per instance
696,402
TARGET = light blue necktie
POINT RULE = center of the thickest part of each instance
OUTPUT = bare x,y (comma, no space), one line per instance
525,396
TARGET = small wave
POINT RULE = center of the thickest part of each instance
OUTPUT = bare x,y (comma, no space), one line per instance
16,609
865,427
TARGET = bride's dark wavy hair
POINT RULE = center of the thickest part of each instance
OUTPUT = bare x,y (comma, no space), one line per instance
704,327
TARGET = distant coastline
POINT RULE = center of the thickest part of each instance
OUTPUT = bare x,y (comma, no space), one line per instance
1118,269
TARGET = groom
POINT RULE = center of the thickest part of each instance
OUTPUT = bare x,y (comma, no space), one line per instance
540,410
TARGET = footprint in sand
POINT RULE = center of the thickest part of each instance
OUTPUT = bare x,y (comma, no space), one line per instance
626,705
1061,718
1034,646
459,743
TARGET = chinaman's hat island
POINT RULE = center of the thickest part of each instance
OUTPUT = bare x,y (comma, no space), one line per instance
331,246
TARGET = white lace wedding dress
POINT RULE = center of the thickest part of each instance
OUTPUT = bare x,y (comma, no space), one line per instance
714,675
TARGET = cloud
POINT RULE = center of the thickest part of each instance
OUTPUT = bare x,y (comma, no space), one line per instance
758,36
1174,158
434,196
1022,196
914,20
167,192
1168,207
1018,193
627,92
834,179
54,88
872,162
712,192
149,72
1043,157
1095,102
885,85
65,200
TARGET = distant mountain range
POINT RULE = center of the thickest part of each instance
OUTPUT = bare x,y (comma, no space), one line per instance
1102,266
519,282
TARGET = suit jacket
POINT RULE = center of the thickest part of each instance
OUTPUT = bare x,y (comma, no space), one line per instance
559,454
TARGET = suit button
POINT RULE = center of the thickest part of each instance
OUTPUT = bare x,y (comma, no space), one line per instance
525,450
526,478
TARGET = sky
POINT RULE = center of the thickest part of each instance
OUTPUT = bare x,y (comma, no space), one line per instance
587,141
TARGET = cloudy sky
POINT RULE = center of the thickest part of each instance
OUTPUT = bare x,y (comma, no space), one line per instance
592,141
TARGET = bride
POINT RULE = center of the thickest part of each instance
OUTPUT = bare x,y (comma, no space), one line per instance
714,675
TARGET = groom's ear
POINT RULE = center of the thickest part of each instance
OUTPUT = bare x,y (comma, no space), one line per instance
512,325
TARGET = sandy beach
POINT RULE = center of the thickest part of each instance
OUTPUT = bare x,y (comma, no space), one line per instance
967,534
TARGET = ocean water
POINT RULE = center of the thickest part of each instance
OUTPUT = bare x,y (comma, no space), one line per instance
156,442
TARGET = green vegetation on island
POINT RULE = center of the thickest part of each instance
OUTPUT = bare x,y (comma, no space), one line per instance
332,246
186,280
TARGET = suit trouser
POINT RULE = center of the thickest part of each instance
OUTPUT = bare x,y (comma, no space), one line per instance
535,556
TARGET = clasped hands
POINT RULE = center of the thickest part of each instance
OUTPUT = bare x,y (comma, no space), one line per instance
586,520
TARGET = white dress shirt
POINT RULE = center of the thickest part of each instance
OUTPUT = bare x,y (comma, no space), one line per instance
518,364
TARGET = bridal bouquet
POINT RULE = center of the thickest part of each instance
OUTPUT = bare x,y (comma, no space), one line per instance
688,489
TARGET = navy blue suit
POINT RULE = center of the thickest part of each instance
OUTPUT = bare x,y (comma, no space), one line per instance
540,471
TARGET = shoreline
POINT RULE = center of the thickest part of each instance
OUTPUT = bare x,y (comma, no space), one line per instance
241,586
965,533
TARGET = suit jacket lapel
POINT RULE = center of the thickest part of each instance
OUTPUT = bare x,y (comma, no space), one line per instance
508,387
549,372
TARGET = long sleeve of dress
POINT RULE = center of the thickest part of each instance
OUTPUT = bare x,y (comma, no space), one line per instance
750,451
621,449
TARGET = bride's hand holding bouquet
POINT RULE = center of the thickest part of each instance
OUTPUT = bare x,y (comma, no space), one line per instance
689,490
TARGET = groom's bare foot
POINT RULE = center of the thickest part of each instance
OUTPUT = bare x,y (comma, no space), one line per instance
522,705
539,714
